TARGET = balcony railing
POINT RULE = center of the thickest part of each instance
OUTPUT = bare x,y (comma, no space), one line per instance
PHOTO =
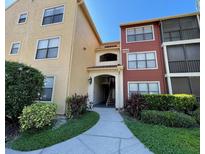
184,66
183,34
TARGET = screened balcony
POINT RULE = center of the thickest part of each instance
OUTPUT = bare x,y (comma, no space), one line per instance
180,29
184,58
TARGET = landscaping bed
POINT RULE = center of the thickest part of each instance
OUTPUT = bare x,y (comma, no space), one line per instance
161,139
33,140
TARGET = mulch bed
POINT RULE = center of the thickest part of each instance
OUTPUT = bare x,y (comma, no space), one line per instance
11,129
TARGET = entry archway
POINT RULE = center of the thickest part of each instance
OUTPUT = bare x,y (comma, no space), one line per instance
104,90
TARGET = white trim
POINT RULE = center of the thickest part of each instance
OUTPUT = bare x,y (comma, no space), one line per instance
51,8
54,82
153,34
26,12
12,46
59,45
136,82
198,19
182,74
181,42
139,52
166,59
169,83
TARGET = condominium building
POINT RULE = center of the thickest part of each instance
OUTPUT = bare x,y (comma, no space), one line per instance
59,38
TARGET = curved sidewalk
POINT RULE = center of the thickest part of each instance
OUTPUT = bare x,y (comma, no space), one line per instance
109,136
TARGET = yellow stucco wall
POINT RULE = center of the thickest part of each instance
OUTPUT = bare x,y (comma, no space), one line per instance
31,31
85,43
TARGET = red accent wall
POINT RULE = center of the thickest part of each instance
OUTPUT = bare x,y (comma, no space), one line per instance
143,75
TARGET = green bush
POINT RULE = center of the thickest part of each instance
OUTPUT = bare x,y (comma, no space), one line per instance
135,104
168,118
196,115
37,115
166,102
76,105
23,84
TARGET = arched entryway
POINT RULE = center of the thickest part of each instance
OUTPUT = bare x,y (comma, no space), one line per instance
104,90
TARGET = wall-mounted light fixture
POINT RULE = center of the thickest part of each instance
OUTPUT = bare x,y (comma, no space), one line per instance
90,80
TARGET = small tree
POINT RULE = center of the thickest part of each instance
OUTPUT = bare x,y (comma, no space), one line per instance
23,85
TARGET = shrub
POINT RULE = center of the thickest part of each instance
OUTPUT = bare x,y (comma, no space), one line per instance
23,84
37,115
168,118
196,115
76,105
135,104
165,102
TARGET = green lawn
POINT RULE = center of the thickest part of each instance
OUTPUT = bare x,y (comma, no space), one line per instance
47,137
165,140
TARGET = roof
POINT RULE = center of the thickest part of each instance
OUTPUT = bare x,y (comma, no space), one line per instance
158,19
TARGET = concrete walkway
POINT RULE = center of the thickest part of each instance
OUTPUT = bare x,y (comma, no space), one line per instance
109,136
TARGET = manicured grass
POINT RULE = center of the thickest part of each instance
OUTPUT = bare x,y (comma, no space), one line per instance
161,139
47,137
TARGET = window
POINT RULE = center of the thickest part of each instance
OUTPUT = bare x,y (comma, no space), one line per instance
142,60
47,89
53,15
108,57
15,48
22,18
47,48
143,88
139,34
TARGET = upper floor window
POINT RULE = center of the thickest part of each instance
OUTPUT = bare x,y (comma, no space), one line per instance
180,29
108,57
143,88
47,89
15,48
53,15
47,48
138,34
22,18
142,60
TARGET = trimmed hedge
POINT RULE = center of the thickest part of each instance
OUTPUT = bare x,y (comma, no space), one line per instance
166,102
196,115
22,86
37,115
76,105
168,118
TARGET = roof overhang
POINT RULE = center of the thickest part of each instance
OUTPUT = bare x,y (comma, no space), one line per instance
158,19
82,4
109,67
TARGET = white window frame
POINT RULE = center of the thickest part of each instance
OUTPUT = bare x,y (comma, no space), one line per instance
137,82
153,34
54,82
59,45
20,16
12,46
42,17
139,52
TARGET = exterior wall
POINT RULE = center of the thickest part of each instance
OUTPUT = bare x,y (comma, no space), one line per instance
72,58
83,55
143,75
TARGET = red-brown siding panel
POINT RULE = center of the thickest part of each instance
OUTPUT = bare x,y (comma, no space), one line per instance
143,75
